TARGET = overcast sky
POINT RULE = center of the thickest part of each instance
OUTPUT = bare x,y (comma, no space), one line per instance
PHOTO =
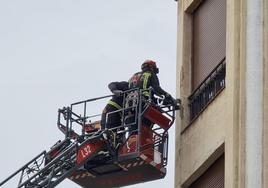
56,52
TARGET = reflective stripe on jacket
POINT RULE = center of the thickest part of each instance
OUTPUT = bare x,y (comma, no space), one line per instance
114,104
146,76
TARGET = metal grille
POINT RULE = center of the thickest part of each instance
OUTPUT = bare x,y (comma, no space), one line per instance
213,84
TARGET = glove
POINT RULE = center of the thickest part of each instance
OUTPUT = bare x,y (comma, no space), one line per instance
174,101
170,98
118,93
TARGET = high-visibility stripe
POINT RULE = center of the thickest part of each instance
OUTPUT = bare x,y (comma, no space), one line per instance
112,103
146,78
145,83
146,93
81,176
151,162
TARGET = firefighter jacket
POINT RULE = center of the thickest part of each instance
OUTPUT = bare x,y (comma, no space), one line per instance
117,101
144,80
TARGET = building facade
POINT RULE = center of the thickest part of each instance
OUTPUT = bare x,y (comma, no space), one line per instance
222,79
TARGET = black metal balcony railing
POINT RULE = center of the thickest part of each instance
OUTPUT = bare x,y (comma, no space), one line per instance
207,90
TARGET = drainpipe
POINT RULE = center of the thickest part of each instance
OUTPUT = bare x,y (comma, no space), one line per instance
254,94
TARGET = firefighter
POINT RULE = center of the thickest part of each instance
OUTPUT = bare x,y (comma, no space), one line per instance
110,118
148,78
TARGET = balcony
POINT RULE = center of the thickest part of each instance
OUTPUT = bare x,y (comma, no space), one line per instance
207,91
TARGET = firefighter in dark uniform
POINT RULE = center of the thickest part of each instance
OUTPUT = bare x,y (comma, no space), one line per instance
108,118
148,78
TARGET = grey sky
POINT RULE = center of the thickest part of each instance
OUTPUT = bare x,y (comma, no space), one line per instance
55,52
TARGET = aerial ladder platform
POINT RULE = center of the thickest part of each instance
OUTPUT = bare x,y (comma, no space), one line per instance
136,151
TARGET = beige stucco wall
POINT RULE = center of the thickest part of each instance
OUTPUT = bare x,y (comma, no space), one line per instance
201,139
235,55
221,124
202,142
190,5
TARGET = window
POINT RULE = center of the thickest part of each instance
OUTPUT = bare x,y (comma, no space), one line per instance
213,177
209,51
